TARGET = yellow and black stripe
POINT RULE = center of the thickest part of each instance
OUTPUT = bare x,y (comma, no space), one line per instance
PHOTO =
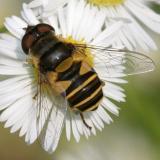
85,92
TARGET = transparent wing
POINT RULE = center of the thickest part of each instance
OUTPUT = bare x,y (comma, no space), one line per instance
113,59
51,113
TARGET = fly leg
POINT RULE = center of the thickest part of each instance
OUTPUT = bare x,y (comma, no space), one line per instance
35,96
85,123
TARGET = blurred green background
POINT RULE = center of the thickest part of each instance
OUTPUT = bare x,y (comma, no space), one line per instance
135,134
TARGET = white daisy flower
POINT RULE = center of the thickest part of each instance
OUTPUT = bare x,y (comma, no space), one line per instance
137,12
19,87
27,101
133,35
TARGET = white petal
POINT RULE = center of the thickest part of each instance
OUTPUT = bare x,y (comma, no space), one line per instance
108,34
146,15
29,16
51,7
16,108
15,27
36,3
114,94
68,127
75,129
19,111
104,115
87,117
8,70
79,123
4,51
13,96
110,106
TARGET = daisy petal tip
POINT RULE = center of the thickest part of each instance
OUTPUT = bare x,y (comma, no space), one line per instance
35,3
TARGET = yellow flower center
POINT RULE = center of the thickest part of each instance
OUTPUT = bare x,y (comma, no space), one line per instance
87,52
105,2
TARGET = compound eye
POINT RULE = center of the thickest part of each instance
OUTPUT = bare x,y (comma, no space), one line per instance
33,33
43,28
27,42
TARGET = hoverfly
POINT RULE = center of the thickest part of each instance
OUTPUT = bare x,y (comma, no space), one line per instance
67,81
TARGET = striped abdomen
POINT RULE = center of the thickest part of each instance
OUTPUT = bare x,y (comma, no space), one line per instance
85,92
